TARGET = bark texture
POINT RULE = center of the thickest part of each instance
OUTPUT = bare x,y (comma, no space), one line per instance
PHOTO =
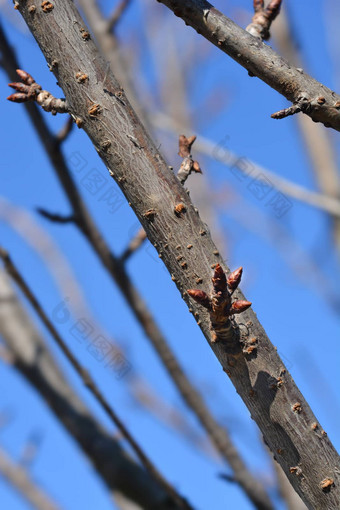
316,100
117,270
288,425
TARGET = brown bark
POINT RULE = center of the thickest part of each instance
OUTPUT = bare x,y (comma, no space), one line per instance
316,100
116,269
289,427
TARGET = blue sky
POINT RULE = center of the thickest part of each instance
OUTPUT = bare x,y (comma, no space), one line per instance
284,258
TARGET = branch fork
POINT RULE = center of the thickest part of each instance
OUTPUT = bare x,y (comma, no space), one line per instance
29,90
219,304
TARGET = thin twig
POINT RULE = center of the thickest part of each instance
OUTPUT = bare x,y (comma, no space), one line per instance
222,153
89,382
135,243
116,15
20,480
65,131
56,218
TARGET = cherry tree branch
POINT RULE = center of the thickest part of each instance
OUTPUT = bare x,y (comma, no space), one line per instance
183,241
117,270
307,95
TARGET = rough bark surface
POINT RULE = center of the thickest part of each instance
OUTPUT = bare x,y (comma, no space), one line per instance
318,101
116,269
183,241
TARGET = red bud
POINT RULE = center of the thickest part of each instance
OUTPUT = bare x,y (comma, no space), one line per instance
234,278
25,77
239,306
18,97
219,279
200,297
20,87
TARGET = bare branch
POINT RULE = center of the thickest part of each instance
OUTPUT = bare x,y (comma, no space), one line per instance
35,362
117,14
260,60
117,271
20,480
89,382
275,403
135,243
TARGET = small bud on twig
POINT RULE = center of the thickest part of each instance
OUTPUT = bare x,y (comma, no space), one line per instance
234,279
200,297
219,279
188,165
219,303
29,90
240,306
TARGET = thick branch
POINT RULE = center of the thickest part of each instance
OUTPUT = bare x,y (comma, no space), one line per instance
317,101
289,427
116,269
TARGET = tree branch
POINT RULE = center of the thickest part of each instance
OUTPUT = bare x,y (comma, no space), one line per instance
117,14
314,99
90,383
289,427
35,362
220,152
116,269
20,480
